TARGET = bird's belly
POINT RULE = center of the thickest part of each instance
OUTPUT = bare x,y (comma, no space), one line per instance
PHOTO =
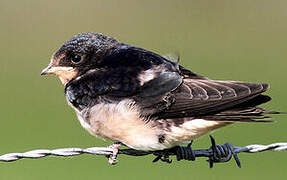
192,129
122,122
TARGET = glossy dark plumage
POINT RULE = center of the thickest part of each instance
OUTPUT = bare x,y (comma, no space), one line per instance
175,92
144,100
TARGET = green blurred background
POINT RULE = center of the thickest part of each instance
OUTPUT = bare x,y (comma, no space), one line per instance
237,40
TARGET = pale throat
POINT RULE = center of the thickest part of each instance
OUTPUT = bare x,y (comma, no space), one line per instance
65,74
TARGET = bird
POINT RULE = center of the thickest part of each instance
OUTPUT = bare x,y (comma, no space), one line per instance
148,102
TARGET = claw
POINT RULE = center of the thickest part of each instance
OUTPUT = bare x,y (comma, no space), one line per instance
112,159
164,157
157,158
222,153
181,153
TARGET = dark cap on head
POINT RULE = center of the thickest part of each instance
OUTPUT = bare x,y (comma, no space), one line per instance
79,54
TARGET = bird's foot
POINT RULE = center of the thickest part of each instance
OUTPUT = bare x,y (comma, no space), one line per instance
222,153
163,157
181,153
112,159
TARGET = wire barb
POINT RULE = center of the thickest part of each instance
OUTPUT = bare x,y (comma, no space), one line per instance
222,153
216,153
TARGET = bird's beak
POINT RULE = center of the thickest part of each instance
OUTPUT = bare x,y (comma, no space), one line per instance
48,70
64,73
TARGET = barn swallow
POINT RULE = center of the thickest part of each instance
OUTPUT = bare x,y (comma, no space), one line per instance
145,101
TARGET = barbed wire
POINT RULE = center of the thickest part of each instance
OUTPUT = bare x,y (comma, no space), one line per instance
107,151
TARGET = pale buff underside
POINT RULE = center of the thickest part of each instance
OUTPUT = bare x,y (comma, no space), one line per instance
65,74
121,122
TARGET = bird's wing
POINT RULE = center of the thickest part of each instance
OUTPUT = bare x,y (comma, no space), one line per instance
203,97
160,88
126,72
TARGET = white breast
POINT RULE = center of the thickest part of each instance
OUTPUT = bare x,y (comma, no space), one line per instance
121,122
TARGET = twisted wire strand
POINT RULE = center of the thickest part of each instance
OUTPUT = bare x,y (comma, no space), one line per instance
64,152
259,148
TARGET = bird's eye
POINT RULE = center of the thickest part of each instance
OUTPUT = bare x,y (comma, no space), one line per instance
76,58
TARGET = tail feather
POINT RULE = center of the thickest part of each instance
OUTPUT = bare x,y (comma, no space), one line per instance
245,112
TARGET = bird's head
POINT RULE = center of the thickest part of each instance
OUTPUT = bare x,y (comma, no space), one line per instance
79,54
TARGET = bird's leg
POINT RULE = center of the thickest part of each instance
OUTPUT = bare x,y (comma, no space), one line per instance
113,158
163,156
222,153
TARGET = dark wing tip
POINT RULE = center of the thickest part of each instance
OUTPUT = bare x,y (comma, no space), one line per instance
274,112
265,86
